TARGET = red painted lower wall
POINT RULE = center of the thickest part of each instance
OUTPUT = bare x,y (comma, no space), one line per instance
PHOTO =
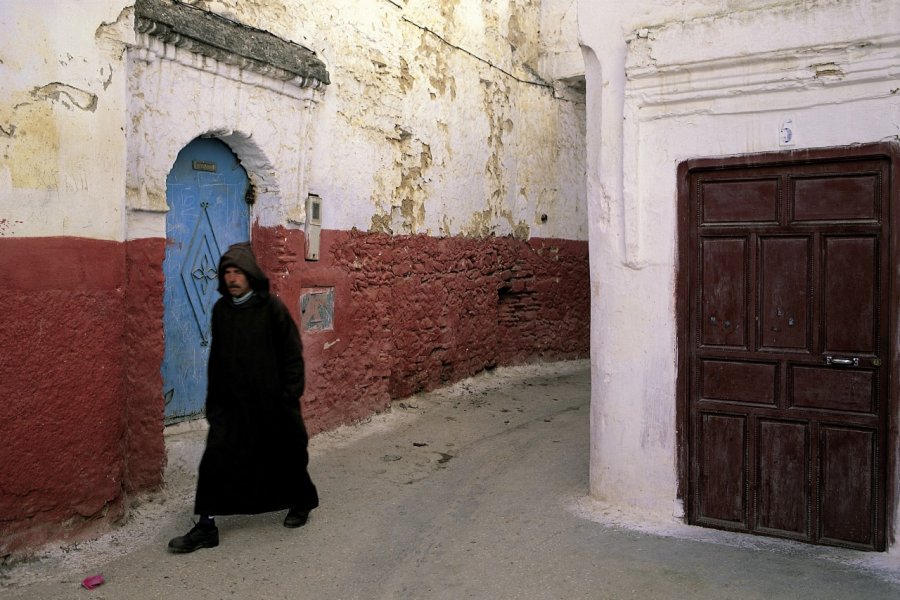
81,424
143,447
81,420
413,313
62,416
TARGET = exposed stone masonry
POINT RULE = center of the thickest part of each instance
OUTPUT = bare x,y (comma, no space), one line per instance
415,312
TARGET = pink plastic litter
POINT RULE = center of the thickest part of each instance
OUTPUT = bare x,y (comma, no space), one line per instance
93,581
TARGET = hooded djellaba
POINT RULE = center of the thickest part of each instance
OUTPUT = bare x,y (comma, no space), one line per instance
256,450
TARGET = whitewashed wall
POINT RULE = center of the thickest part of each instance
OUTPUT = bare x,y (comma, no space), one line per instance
442,117
669,83
62,106
175,96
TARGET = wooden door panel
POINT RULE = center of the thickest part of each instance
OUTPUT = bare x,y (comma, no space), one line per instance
737,381
850,293
784,292
723,483
782,491
836,198
724,301
848,390
785,314
740,201
847,477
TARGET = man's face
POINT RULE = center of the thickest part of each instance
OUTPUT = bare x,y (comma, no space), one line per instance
236,282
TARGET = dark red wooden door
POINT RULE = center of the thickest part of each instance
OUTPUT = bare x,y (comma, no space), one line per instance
788,347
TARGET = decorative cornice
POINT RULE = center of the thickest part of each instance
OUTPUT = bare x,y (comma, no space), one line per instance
840,67
229,42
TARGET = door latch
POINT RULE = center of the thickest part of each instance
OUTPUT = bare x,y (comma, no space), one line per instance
842,362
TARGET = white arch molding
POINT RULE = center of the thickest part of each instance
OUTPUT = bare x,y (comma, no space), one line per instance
177,92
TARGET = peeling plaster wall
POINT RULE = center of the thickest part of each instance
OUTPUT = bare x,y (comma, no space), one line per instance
438,120
444,119
62,145
560,57
673,81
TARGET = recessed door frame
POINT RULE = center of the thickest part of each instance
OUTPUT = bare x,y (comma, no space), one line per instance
888,150
207,191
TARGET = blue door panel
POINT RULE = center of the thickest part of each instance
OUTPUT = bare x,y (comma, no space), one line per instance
207,213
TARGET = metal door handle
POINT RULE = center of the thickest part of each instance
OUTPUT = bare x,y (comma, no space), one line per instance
843,362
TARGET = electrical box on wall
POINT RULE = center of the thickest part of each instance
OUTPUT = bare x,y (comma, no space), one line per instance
313,226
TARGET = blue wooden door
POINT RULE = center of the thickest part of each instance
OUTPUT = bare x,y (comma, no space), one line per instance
206,192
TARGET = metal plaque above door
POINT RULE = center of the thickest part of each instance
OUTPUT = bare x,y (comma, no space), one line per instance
206,192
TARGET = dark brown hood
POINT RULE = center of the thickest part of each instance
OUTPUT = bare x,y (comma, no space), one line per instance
241,256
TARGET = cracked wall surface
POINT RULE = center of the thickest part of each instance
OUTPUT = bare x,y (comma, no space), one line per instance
416,136
412,137
60,117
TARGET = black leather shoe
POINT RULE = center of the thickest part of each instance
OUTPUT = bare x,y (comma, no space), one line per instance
195,539
296,517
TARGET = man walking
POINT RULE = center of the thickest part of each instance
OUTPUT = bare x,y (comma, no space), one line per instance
256,448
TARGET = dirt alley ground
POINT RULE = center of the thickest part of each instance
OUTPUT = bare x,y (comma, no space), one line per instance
478,490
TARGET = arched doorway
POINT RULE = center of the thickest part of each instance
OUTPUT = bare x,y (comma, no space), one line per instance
206,192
